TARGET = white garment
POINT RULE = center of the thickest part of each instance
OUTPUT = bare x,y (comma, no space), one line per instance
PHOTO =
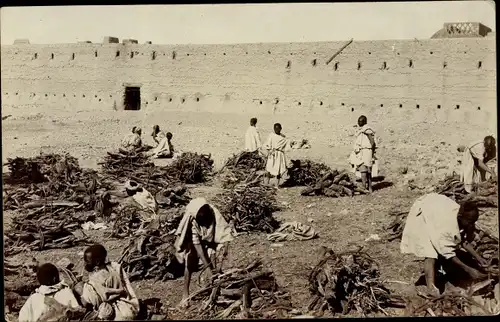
145,199
252,139
432,228
276,159
363,153
470,174
35,305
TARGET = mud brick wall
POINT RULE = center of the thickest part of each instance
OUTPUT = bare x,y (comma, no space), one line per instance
444,81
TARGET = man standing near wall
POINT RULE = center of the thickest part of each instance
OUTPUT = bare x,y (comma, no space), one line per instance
252,137
362,157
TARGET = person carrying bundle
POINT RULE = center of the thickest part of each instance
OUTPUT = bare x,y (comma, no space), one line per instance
435,228
363,154
108,291
50,299
252,137
474,160
201,232
276,145
133,141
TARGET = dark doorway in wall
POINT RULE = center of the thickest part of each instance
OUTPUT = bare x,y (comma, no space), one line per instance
132,98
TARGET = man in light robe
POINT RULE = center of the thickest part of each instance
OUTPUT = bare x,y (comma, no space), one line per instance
474,160
276,145
165,148
252,137
201,232
157,134
435,228
363,155
50,296
108,291
133,141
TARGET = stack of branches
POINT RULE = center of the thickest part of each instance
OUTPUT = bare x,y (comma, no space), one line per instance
49,230
306,173
349,281
241,167
397,225
19,283
247,292
191,168
448,304
151,256
334,184
172,203
249,207
49,178
125,163
485,195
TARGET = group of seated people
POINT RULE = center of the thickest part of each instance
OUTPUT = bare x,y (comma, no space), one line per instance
106,295
163,149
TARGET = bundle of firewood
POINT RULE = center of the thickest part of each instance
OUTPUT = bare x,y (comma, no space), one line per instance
306,173
249,207
334,184
447,304
39,231
191,168
246,292
349,281
151,256
50,178
241,167
485,194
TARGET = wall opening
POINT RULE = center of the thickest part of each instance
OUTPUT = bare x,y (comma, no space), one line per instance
342,104
95,53
384,65
439,107
359,65
46,95
187,54
224,54
52,56
432,52
314,62
336,66
288,64
445,64
320,103
479,108
268,51
410,63
153,55
260,102
132,98
352,109
170,99
174,54
156,98
479,64
183,100
73,56
197,99
131,54
36,55
418,106
457,107
117,53
276,101
369,53
400,105
381,105
299,103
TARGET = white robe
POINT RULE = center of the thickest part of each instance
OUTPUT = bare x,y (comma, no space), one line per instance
362,153
276,159
432,228
35,305
252,139
470,174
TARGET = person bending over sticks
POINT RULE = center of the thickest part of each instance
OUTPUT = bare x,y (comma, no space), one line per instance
475,157
436,226
201,232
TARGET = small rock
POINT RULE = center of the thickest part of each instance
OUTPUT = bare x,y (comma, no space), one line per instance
329,214
311,205
310,220
277,245
344,212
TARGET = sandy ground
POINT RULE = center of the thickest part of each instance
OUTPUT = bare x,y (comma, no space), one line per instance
427,152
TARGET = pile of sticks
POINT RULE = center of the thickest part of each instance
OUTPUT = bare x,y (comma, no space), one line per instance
447,305
19,283
246,292
191,168
485,195
151,256
249,207
349,281
334,184
39,230
241,167
306,173
52,178
397,225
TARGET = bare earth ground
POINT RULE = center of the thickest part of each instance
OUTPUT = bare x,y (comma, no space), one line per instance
342,223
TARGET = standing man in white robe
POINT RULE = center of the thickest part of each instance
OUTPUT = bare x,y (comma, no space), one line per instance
276,145
252,137
363,155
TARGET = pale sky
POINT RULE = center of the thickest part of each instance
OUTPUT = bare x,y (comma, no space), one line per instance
239,23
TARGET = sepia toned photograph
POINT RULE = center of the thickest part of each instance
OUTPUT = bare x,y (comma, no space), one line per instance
249,161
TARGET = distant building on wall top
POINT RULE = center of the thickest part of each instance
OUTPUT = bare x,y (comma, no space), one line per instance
462,30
